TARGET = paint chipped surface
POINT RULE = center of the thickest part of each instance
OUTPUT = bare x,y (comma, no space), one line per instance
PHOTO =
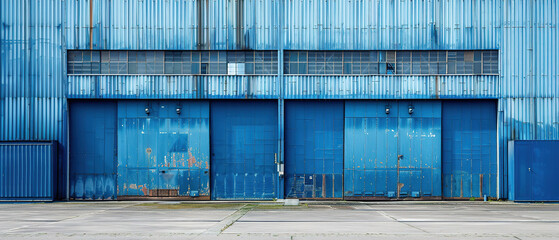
173,152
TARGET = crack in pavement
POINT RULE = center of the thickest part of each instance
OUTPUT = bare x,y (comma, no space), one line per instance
227,222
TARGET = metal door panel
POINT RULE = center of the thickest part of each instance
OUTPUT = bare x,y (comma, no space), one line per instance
244,145
164,153
535,168
419,145
544,171
93,150
371,138
314,149
391,153
469,149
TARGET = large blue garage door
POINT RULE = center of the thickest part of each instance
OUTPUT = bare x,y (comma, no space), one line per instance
392,149
314,139
469,149
93,150
163,149
244,147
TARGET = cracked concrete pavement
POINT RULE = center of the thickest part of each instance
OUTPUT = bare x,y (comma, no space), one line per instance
271,220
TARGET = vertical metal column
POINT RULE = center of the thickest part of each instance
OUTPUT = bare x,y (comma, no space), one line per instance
280,85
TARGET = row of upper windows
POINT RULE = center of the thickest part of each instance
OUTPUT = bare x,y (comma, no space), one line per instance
295,62
172,62
391,62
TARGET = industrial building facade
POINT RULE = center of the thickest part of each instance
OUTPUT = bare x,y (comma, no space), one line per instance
259,100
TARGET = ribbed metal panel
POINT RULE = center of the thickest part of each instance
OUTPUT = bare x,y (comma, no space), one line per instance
34,35
173,24
131,86
529,89
32,77
372,24
184,87
529,50
240,86
390,87
27,171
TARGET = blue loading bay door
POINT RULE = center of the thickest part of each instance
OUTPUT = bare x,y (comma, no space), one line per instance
164,153
469,149
244,147
92,150
314,145
392,149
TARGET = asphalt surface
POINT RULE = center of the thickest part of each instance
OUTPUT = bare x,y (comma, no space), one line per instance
270,220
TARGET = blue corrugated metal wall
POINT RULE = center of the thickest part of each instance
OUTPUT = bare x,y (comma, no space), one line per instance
163,153
35,35
244,150
28,171
392,153
469,149
32,75
93,150
174,24
534,169
314,149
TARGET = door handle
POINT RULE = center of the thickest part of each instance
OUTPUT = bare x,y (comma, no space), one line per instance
400,156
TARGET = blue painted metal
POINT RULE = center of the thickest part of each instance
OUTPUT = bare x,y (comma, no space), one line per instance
370,24
28,171
32,76
390,152
93,150
163,153
34,34
244,150
314,157
535,168
173,87
390,87
175,24
469,149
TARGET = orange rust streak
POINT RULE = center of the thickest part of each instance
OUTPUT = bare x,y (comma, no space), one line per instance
191,159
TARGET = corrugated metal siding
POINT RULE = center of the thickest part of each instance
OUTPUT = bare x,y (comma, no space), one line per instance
390,87
240,86
172,24
372,24
34,35
183,87
132,86
32,77
27,171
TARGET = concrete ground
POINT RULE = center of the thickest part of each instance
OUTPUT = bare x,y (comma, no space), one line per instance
270,220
